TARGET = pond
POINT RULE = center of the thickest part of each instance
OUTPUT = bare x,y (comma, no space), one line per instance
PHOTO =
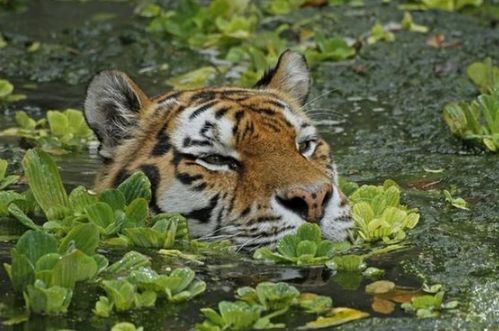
380,111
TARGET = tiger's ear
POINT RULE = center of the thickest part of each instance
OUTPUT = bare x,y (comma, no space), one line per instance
291,76
112,109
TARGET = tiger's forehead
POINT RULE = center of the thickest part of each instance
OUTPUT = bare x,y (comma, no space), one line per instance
218,120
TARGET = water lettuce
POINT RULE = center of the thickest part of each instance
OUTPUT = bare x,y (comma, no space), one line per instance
7,89
378,214
125,326
329,49
59,133
447,5
256,307
428,305
476,122
167,230
306,247
46,270
142,286
6,180
484,74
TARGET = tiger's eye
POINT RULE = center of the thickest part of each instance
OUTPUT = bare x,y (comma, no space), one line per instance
304,146
215,159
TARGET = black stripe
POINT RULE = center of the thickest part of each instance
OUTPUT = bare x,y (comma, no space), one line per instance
221,112
172,95
163,144
238,116
271,126
266,111
120,177
203,95
245,212
202,109
187,179
203,214
199,187
207,126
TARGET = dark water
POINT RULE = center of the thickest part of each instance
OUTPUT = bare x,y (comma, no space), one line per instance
385,123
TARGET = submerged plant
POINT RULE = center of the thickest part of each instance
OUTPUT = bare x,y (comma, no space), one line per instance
378,214
306,247
59,133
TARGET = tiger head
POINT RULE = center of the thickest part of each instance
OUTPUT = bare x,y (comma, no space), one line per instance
245,164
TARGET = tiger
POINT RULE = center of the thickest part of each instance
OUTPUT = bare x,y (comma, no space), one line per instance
246,164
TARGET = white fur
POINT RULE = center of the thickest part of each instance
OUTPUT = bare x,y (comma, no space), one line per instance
180,198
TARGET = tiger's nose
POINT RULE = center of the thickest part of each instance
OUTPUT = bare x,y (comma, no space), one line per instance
308,203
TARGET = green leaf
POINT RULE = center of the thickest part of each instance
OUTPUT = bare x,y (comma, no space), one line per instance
24,121
125,326
103,307
15,211
51,301
238,315
309,231
130,261
136,186
484,75
100,214
121,293
21,271
6,199
136,213
114,198
276,296
73,267
349,262
313,303
84,237
145,299
58,123
193,79
45,183
80,198
306,247
6,88
34,244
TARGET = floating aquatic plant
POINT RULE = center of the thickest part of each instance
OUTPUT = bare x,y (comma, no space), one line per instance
476,122
306,247
59,133
484,74
378,214
45,269
429,305
257,306
6,180
447,5
7,89
143,286
329,49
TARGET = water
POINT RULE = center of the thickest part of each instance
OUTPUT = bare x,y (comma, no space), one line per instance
385,123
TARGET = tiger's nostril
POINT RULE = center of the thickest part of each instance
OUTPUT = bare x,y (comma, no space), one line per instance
308,204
